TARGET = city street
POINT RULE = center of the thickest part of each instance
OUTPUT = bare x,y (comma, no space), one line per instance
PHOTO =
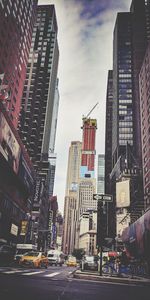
57,283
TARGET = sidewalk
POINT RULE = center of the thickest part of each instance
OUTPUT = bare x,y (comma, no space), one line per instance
125,279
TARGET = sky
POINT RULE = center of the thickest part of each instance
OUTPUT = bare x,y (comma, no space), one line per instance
85,39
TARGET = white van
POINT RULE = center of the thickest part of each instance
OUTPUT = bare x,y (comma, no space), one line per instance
55,257
21,249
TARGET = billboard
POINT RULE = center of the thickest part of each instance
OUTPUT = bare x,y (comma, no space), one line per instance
9,147
14,229
24,225
123,193
137,236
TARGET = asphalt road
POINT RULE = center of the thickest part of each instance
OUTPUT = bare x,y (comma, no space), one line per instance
56,283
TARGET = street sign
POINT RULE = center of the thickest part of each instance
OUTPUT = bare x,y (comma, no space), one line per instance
97,197
103,197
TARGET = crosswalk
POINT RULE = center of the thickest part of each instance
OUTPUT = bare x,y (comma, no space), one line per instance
26,272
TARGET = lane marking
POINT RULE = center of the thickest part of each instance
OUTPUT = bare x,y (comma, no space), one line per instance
12,272
32,273
52,274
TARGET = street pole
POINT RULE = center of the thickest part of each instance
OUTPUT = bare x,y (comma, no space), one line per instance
101,259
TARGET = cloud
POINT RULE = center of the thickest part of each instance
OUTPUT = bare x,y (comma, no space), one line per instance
85,37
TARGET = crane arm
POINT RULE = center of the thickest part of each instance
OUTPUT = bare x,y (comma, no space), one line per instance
91,110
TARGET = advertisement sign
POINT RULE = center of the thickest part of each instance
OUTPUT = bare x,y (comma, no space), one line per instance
24,227
138,234
9,146
123,193
38,190
14,229
53,232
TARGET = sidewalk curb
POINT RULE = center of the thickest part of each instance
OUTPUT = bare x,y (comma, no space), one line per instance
90,276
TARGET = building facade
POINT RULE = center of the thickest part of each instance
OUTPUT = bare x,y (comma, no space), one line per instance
131,37
88,232
17,173
40,86
70,207
125,160
108,131
101,174
88,148
40,107
70,223
144,80
16,25
16,183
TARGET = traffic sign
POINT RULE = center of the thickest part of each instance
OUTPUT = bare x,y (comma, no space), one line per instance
97,197
103,197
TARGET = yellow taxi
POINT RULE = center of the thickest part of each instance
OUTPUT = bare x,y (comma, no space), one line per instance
34,259
71,262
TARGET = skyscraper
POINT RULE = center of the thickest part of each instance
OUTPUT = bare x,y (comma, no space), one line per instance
131,36
16,170
40,86
108,131
110,216
71,193
140,11
88,148
73,170
122,123
16,24
144,84
39,109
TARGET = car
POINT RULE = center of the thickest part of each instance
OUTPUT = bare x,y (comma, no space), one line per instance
89,263
71,262
22,249
55,257
34,259
6,254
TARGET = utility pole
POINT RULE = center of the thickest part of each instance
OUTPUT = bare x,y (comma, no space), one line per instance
100,233
101,222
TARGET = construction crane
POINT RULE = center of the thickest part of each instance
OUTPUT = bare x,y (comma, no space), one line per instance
90,111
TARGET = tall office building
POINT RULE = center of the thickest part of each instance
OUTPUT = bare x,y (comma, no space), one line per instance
101,174
40,107
70,207
124,159
144,84
54,120
80,185
131,36
110,207
88,148
16,25
16,170
140,38
74,163
40,87
122,123
87,183
108,131
70,223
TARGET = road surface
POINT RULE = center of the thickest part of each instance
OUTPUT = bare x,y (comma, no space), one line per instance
57,283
